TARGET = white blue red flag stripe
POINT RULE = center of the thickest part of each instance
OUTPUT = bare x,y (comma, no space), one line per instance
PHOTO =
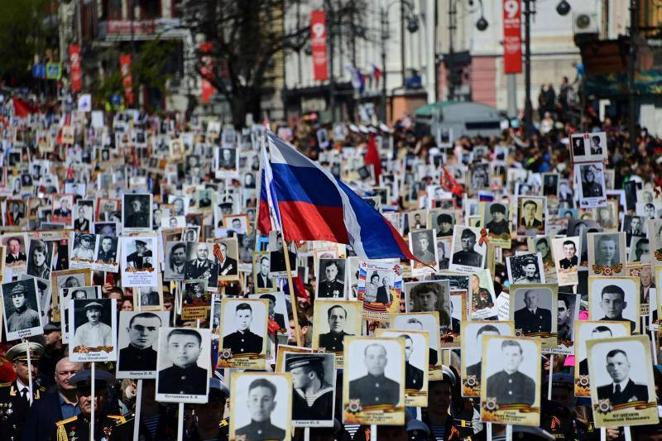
306,202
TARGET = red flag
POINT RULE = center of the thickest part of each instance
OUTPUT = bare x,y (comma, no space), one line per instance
22,108
372,156
450,184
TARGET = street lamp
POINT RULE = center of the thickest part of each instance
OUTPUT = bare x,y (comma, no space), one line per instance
412,26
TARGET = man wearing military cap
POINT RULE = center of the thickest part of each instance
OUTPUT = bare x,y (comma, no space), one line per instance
94,333
23,316
106,426
510,386
141,259
532,318
333,340
530,272
243,341
375,388
467,256
261,403
15,397
313,395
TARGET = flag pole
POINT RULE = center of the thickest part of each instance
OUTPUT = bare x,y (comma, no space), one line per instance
293,297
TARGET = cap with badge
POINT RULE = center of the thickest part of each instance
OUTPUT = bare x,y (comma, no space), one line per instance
19,352
303,360
19,289
142,243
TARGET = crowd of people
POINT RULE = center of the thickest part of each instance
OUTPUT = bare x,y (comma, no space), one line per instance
135,277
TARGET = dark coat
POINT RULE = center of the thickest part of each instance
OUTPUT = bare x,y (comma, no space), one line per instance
413,377
43,416
632,392
14,410
528,322
243,343
322,408
189,381
261,432
134,359
372,390
468,258
333,342
515,388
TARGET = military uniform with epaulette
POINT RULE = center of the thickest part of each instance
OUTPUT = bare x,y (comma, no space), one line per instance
106,428
14,408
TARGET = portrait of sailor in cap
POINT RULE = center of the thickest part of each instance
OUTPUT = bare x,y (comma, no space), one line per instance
312,390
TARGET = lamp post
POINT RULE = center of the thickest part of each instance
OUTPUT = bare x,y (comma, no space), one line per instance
412,26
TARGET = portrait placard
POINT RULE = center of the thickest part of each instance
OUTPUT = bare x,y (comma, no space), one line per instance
566,251
423,246
374,385
495,216
331,280
92,330
430,296
511,376
183,365
589,147
532,308
614,299
333,322
260,406
139,343
472,353
481,296
606,253
588,330
139,258
423,321
380,288
243,342
567,312
469,250
591,184
531,212
622,383
313,375
525,269
21,309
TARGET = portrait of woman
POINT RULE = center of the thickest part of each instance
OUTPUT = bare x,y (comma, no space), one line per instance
39,264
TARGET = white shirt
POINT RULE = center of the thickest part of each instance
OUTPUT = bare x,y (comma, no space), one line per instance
623,384
92,336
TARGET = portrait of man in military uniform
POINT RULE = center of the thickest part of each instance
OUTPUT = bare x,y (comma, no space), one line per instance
21,309
464,241
525,269
496,219
509,385
201,264
423,247
535,315
137,211
369,381
331,279
183,362
260,407
615,299
239,319
141,329
313,387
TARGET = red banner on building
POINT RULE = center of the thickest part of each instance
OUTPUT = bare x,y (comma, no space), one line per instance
75,70
318,45
512,36
127,80
206,72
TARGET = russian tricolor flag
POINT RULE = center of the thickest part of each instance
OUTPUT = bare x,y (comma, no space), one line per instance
305,202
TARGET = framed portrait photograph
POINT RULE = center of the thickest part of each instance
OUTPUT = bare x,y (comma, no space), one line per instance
589,330
633,226
21,309
468,254
614,299
262,279
333,321
374,384
481,296
655,237
622,382
105,253
639,250
40,258
422,244
331,280
441,221
174,261
495,216
567,311
542,245
201,263
607,216
417,220
227,250
261,406
243,342
226,161
479,173
137,211
531,212
472,349
423,321
66,296
566,251
430,296
589,147
138,343
183,363
533,310
525,269
16,256
550,184
380,288
63,209
149,298
277,309
63,279
313,388
92,330
606,253
511,379
417,344
592,191
138,263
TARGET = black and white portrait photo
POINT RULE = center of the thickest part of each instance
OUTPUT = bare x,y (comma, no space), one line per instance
592,184
93,329
622,382
375,377
589,147
333,321
480,176
422,244
533,310
331,279
472,347
138,343
243,331
614,299
496,220
201,263
227,252
566,251
429,296
468,253
72,288
40,259
227,160
175,261
106,253
606,253
137,211
138,261
550,184
21,309
81,246
423,321
261,278
511,375
531,215
567,311
183,364
313,388
261,406
442,222
525,268
16,249
277,308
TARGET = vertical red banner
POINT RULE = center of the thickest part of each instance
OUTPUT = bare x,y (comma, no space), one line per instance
318,45
127,80
75,70
512,36
206,72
